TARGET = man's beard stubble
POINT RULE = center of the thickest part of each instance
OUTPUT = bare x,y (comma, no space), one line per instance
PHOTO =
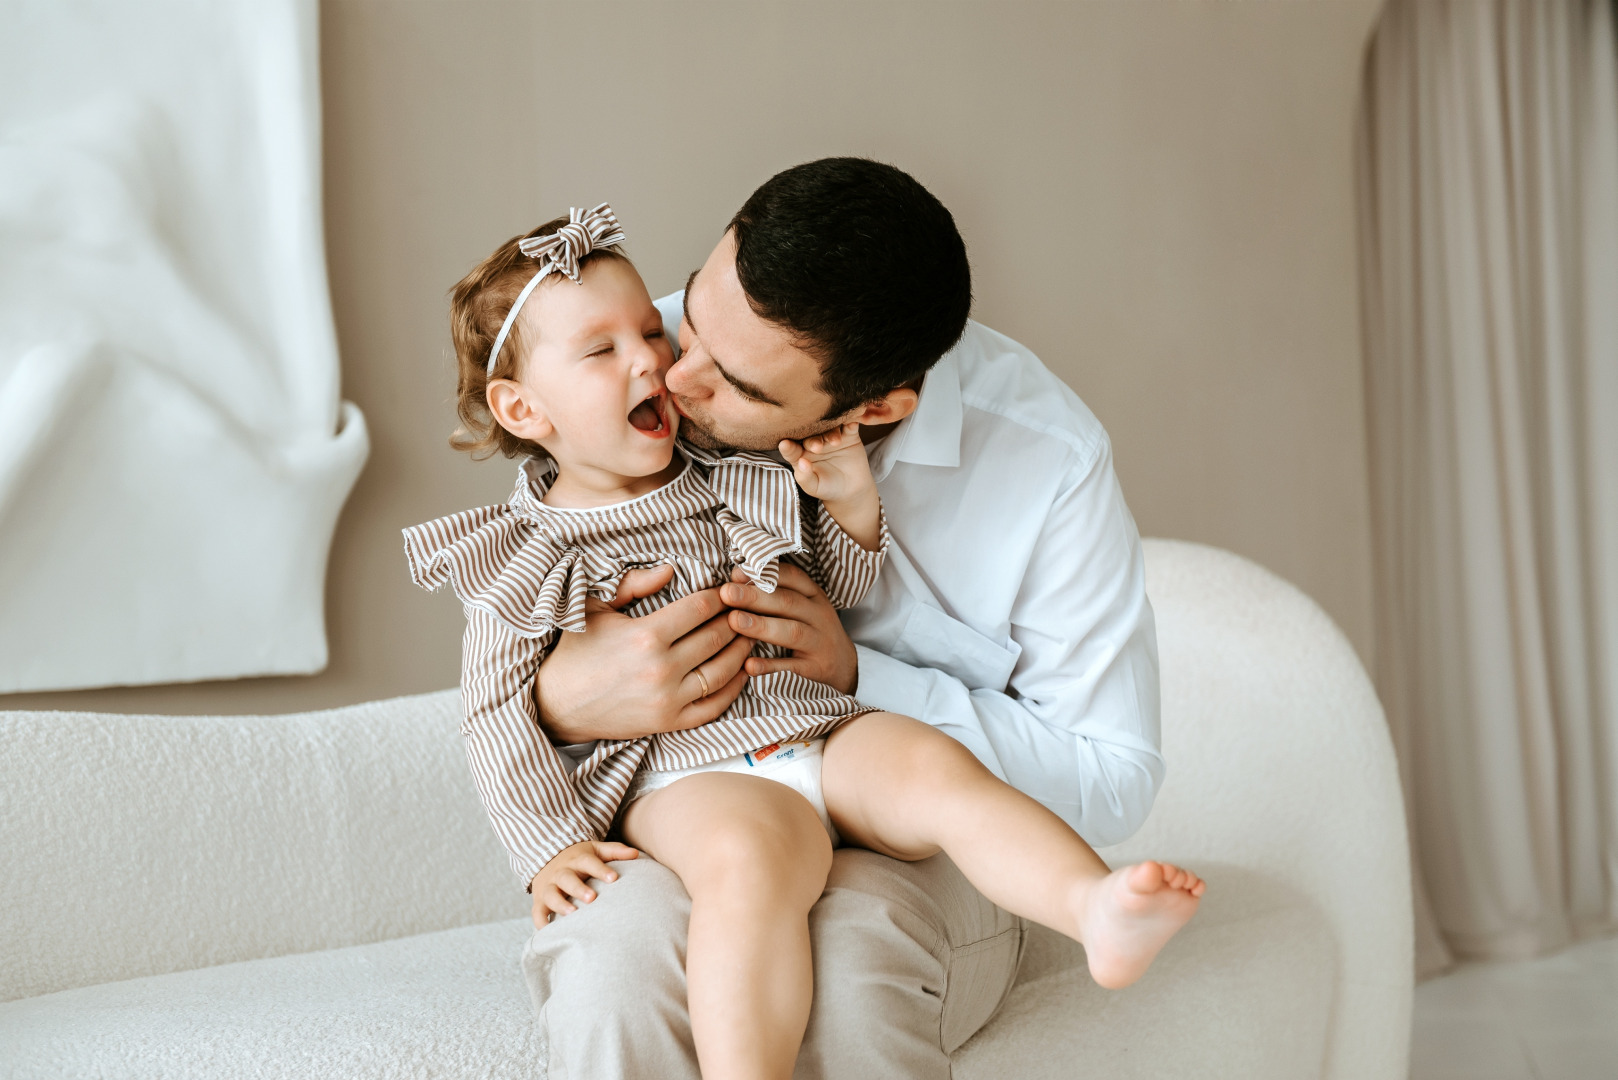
699,435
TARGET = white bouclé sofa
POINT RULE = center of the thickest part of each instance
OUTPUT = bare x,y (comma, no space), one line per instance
319,895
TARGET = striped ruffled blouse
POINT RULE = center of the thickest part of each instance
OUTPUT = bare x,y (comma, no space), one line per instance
523,570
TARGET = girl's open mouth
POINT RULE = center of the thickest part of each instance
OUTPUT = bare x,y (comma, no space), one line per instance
648,417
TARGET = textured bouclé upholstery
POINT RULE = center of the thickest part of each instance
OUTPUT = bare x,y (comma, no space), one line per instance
319,894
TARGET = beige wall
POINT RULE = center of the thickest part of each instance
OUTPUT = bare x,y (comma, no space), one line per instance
1157,198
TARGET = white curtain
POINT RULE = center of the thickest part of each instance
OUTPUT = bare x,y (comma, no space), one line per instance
173,451
1489,186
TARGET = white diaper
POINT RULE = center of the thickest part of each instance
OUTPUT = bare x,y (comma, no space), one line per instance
795,763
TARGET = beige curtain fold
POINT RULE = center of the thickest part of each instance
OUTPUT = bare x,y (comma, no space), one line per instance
1489,248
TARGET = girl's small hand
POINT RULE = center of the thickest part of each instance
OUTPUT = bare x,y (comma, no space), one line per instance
832,466
566,877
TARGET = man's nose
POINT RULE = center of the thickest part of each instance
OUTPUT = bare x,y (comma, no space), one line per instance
681,378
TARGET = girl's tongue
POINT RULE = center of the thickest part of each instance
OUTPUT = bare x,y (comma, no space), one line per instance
647,416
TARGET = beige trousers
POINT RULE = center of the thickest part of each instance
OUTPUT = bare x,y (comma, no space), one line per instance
910,961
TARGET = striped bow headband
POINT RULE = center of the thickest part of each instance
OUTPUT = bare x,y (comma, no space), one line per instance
560,253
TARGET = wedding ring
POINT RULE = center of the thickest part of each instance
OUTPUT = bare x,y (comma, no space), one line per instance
703,679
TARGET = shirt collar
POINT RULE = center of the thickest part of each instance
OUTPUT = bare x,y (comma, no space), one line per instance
932,434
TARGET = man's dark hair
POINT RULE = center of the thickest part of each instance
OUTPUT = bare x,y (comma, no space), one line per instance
863,265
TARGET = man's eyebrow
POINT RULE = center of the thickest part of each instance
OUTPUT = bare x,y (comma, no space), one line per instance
685,299
744,386
747,388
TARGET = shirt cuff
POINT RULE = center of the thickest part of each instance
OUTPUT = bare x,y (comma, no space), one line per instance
847,570
890,685
832,532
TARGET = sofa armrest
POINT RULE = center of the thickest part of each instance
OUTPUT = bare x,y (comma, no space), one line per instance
1280,762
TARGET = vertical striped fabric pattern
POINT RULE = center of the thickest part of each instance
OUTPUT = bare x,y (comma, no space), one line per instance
523,571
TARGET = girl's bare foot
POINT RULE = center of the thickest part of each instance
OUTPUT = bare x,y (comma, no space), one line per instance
1127,917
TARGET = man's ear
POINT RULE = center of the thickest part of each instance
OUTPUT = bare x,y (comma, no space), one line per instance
510,405
889,409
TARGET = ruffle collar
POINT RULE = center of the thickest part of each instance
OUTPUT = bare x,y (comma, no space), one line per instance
531,566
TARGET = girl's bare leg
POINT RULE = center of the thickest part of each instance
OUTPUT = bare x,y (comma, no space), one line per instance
754,857
900,787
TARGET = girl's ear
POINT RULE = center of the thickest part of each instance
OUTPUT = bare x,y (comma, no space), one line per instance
512,406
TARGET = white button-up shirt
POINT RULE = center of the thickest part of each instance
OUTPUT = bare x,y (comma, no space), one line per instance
1012,612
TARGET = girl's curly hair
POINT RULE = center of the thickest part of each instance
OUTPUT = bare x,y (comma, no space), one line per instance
477,307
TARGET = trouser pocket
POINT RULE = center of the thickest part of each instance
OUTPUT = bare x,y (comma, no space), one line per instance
978,979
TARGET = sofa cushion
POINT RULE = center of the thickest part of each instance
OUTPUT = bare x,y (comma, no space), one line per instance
197,840
450,1003
1244,991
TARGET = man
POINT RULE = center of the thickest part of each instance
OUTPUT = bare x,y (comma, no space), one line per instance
1011,615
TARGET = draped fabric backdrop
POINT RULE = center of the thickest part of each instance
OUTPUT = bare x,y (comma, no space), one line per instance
1489,189
173,452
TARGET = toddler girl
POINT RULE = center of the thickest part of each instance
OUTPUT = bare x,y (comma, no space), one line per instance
745,809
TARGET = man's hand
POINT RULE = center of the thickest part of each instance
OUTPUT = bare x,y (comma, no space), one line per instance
566,877
624,678
796,616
